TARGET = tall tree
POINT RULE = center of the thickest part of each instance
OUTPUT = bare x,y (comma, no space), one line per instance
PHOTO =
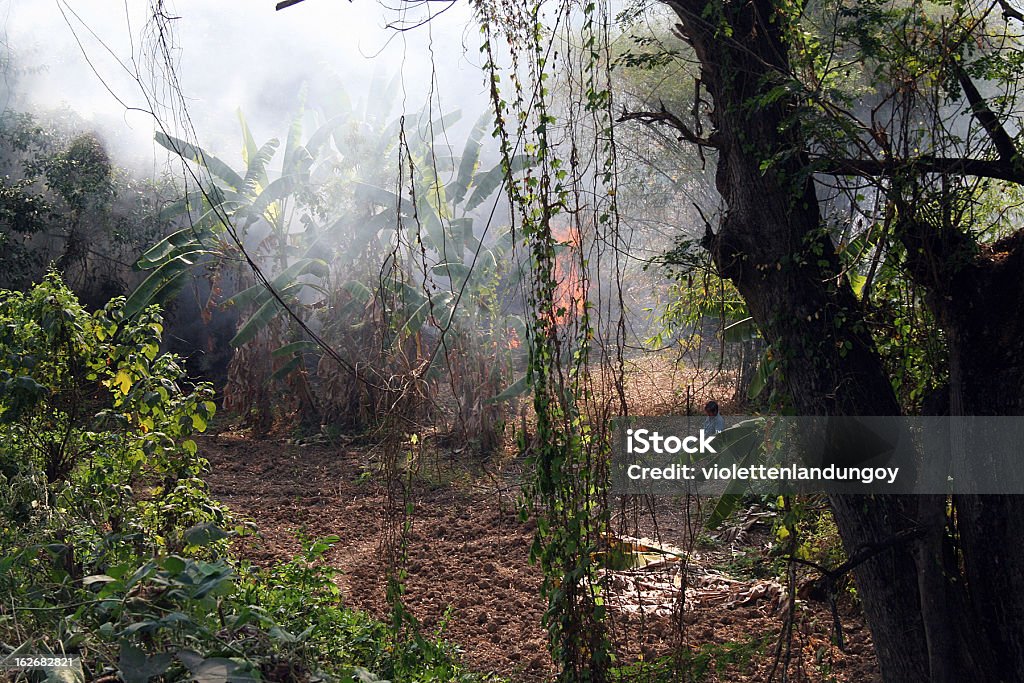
940,585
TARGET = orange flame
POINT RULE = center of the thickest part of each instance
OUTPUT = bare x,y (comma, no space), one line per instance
570,294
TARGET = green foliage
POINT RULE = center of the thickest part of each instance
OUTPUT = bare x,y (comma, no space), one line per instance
566,489
82,174
408,278
91,412
690,303
697,664
112,549
59,181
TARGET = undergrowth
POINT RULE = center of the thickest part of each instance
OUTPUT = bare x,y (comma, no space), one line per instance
111,548
697,664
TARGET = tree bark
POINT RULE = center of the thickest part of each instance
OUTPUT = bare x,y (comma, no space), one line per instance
977,295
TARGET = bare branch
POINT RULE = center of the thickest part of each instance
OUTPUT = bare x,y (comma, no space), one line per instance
668,118
1009,11
986,117
871,168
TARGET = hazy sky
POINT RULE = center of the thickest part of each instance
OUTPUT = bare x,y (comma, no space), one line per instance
232,53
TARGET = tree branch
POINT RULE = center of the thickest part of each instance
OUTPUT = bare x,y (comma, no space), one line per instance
1009,11
986,117
863,553
927,164
668,118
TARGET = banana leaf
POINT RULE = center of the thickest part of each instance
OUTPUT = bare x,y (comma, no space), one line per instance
260,319
196,154
486,183
258,293
470,159
514,390
741,441
166,280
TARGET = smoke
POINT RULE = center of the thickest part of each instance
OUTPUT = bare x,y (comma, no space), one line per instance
232,54
97,58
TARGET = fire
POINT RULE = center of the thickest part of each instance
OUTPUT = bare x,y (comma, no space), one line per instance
570,293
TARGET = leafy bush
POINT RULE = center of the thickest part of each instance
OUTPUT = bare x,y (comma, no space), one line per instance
95,427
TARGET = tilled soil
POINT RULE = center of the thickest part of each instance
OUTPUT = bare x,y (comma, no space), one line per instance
469,574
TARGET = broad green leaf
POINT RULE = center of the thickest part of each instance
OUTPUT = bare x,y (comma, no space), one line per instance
256,180
168,248
441,125
160,285
190,202
173,564
193,153
279,189
742,443
204,533
323,134
258,294
285,369
724,506
249,149
433,230
434,192
486,183
455,271
765,368
358,291
281,635
470,159
369,229
460,234
857,282
256,322
437,305
137,667
296,347
122,381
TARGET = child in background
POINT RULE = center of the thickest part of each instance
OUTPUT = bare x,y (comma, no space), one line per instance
713,423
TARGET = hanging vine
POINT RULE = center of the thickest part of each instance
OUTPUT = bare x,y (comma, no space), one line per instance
564,221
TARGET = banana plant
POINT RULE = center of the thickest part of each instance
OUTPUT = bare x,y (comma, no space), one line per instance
457,259
228,208
320,224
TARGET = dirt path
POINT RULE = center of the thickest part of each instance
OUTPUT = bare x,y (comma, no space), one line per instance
468,568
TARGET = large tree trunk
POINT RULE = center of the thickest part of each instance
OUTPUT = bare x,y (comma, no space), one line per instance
771,243
977,294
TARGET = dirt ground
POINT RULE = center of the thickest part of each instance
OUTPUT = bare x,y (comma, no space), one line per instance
469,574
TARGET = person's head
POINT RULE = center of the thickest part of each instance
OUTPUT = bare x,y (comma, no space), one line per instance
711,408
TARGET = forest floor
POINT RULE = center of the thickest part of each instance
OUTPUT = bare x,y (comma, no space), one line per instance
470,579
